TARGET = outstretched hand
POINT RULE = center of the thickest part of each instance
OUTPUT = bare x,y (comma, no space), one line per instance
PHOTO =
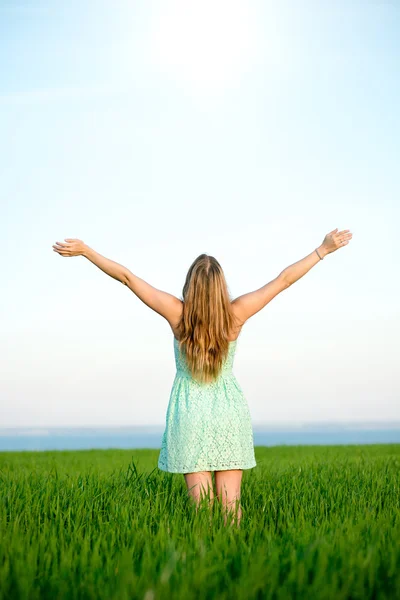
336,239
70,247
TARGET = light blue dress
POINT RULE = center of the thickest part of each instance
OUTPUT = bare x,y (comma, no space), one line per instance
208,425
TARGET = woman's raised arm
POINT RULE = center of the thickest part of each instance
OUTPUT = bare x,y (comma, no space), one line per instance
165,304
332,241
249,304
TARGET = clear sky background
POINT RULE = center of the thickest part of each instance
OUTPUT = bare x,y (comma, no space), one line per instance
155,131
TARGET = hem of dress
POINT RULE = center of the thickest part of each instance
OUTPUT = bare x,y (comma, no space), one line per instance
208,468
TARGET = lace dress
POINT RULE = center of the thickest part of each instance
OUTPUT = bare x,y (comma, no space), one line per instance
208,425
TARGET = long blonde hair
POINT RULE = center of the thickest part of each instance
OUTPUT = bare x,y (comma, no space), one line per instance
207,319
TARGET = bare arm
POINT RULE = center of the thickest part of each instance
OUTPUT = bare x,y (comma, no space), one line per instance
108,266
332,242
161,302
295,271
249,304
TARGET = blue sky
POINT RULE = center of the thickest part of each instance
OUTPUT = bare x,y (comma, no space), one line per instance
155,131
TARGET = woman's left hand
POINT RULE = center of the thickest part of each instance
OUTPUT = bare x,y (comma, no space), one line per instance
70,247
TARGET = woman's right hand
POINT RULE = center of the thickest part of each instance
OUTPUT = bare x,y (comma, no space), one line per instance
336,239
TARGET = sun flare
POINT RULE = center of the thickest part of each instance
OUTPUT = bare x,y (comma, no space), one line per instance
208,45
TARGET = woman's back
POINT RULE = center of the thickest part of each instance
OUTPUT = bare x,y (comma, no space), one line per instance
182,367
208,425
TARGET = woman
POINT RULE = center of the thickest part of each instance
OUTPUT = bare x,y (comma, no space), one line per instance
208,426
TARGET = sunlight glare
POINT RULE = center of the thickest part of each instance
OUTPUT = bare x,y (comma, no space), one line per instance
208,44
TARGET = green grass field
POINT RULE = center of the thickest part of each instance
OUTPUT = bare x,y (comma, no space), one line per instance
318,522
